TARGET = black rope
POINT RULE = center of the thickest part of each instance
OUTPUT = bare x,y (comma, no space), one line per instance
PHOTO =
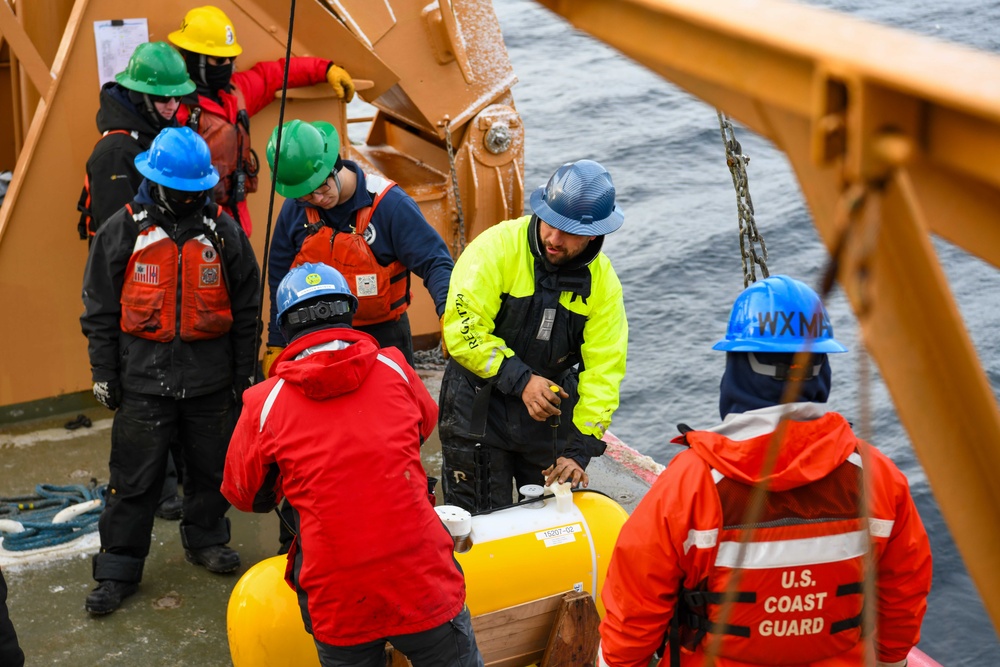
274,180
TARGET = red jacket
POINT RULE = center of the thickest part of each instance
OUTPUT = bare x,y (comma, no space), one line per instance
801,567
337,430
257,88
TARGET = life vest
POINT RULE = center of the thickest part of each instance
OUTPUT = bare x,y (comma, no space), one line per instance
231,153
383,291
85,227
800,592
159,273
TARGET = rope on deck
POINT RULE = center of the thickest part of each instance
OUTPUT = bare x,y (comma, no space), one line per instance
35,514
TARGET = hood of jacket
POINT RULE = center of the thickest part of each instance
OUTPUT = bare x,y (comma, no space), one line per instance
118,113
813,444
328,362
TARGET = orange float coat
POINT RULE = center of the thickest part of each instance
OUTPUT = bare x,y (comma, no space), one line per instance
159,273
383,291
801,570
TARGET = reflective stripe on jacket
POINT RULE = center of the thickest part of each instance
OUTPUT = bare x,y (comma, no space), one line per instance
383,291
158,275
684,536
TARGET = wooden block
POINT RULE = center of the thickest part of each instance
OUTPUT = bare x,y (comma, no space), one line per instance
516,636
574,638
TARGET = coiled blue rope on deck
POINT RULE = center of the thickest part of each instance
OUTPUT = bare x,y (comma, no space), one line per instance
35,514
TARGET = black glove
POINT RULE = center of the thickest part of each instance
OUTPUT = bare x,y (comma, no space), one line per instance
581,448
109,393
240,384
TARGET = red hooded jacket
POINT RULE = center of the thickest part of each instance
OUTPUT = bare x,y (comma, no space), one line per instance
337,429
801,571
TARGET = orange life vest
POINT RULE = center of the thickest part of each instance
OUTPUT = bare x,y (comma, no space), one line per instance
150,291
383,291
799,595
231,153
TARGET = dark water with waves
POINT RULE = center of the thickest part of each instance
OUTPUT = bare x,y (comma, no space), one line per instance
678,253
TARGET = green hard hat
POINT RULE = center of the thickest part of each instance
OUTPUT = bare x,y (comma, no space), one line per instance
157,69
308,154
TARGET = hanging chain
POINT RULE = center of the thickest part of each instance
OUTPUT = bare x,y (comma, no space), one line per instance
750,238
458,244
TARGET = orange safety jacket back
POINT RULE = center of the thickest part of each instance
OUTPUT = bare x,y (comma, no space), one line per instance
231,154
800,589
159,274
383,291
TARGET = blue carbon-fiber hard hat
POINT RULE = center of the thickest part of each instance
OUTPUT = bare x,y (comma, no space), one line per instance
579,199
178,159
309,281
779,314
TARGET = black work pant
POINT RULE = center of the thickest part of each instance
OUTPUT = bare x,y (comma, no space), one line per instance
11,654
393,334
477,476
143,428
450,644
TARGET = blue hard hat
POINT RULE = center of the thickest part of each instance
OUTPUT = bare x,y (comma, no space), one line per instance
579,199
178,159
779,314
309,281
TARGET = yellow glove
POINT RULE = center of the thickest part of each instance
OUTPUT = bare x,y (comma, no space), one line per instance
270,354
341,81
444,345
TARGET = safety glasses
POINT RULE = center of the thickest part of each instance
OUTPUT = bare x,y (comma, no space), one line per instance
164,99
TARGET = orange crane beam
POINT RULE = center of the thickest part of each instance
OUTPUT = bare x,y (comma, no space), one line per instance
891,136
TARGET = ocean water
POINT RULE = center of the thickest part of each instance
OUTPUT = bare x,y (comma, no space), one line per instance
678,252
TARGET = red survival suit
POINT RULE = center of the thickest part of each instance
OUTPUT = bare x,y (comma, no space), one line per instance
337,429
229,138
800,591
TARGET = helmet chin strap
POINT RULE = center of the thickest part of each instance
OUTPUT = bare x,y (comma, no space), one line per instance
202,66
164,201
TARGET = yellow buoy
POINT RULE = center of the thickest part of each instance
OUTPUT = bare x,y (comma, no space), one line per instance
518,554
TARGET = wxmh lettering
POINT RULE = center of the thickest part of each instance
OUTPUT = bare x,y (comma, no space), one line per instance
793,323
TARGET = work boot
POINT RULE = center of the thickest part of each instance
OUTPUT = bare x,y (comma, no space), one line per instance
217,558
108,596
171,509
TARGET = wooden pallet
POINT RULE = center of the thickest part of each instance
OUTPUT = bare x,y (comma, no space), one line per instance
557,631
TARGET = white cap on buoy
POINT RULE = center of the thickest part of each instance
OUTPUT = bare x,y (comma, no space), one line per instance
531,491
459,523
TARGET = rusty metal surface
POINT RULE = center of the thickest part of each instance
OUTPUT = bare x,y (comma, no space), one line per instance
909,122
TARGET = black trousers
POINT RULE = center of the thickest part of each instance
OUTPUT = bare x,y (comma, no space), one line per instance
450,644
11,654
143,429
476,476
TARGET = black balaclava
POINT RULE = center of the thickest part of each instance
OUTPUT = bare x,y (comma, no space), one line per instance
743,389
178,202
144,105
209,78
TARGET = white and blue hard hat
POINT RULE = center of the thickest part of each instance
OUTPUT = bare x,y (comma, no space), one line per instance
579,199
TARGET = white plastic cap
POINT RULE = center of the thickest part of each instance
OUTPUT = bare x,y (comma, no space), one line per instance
458,520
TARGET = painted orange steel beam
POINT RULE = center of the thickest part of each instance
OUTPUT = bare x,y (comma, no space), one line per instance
27,54
915,125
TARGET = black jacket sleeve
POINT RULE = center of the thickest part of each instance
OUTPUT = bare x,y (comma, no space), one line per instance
102,289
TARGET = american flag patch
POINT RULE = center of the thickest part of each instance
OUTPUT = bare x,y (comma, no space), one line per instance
147,274
209,276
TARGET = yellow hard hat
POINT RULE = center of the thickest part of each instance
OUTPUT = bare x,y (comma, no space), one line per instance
209,31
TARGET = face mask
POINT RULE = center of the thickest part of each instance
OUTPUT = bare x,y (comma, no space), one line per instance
217,76
179,202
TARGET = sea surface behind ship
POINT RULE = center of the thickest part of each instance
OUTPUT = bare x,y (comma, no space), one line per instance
678,252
